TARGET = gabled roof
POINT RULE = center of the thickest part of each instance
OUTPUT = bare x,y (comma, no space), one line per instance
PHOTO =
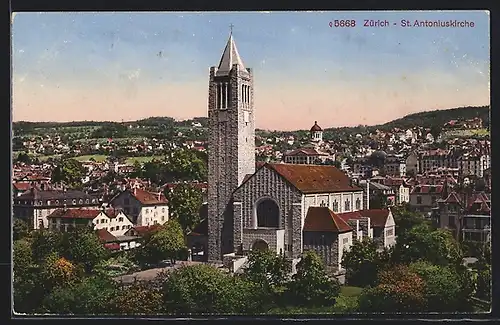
324,219
378,217
75,213
314,178
36,194
230,56
452,198
145,197
105,236
144,230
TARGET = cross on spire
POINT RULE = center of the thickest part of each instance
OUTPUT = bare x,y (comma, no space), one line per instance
231,28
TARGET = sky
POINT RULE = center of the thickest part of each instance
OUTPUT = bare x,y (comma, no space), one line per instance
128,66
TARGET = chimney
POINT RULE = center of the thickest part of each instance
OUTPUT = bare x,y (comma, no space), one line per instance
159,196
367,194
135,190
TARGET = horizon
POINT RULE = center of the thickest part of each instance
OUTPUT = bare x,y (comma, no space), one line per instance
262,129
105,67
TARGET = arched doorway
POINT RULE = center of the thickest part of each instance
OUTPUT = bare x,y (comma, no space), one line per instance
268,214
260,245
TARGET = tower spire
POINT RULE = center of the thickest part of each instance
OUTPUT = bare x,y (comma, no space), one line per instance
230,57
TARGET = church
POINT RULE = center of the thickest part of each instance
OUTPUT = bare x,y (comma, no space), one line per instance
284,207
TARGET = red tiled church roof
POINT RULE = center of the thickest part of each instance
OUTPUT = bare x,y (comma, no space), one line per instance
324,219
315,178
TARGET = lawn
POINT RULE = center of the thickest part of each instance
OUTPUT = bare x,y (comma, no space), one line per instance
98,158
142,159
347,302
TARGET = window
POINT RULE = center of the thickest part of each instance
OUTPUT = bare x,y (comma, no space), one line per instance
451,221
87,201
163,210
48,202
347,206
81,201
74,201
105,228
345,241
103,220
322,204
358,204
112,229
419,200
97,221
147,211
267,214
156,222
93,200
120,219
389,232
162,218
335,206
124,227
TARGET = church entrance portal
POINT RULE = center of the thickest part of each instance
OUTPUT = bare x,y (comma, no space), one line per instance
267,214
260,245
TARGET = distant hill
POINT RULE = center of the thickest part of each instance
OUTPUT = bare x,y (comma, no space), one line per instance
425,119
439,117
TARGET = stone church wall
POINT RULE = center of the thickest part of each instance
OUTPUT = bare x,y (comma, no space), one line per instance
325,244
268,184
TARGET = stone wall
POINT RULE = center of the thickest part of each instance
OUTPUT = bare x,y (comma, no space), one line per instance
231,156
266,183
325,244
270,236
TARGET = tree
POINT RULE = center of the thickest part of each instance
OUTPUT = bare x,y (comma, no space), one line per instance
378,201
23,276
43,243
91,296
69,172
23,157
185,202
57,271
185,165
270,273
398,290
82,246
362,263
20,229
405,219
165,243
203,288
423,244
140,298
311,286
443,288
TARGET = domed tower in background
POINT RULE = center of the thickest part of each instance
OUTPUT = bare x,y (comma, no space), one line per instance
316,134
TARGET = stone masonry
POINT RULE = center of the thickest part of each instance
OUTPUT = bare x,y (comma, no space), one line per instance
231,150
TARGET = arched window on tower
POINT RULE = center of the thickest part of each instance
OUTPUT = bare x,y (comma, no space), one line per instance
267,214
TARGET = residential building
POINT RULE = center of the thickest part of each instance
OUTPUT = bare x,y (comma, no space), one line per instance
34,206
424,197
144,208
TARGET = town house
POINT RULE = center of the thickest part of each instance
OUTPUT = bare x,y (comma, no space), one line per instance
145,208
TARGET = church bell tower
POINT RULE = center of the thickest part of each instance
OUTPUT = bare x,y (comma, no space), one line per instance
231,144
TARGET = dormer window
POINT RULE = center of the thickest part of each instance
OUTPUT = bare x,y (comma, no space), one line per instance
80,201
87,201
74,201
57,202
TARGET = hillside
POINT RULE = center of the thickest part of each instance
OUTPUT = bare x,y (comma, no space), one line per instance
439,117
425,119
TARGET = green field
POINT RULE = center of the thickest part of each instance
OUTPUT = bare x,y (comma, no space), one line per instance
466,133
97,158
142,159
